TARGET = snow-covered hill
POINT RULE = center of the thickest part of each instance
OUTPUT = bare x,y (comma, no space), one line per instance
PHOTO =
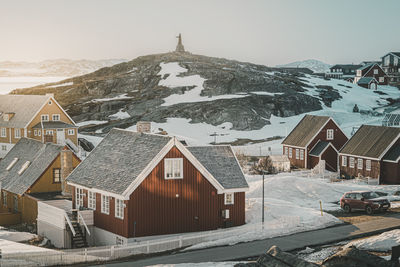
313,64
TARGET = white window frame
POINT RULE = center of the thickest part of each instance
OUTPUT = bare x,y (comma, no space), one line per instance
344,161
368,164
290,152
57,116
351,162
172,161
71,131
34,132
50,102
78,197
360,164
3,147
15,203
3,132
381,79
286,150
376,71
301,154
297,153
119,208
39,133
105,204
330,134
4,195
17,133
92,200
44,117
226,200
50,132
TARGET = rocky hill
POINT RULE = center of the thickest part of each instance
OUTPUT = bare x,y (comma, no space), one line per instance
183,85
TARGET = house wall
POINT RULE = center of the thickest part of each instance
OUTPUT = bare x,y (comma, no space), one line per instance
330,156
29,210
381,73
293,161
51,109
354,172
390,173
159,206
313,161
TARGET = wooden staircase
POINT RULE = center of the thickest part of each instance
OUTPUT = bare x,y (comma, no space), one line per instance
79,239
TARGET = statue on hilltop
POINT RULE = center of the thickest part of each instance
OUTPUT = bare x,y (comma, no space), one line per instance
179,46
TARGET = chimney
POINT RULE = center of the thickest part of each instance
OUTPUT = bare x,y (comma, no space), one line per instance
143,127
66,169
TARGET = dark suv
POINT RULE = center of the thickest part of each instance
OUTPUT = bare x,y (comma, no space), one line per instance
364,200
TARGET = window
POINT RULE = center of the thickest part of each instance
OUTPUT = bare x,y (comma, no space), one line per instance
24,167
381,79
344,161
119,208
173,168
329,134
297,153
71,131
290,152
4,148
375,71
45,117
286,150
56,175
359,73
302,154
105,204
4,198
56,117
360,164
39,132
3,132
78,197
395,61
229,198
34,132
12,163
368,165
6,117
351,162
50,102
49,132
92,200
16,203
17,133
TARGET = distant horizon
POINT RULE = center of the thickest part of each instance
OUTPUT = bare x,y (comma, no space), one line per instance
267,32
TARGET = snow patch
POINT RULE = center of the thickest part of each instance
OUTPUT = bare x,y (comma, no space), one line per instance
382,242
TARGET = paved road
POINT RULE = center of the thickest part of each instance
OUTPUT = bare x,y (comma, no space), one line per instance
286,243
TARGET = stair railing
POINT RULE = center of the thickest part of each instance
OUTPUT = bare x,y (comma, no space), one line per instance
69,223
80,218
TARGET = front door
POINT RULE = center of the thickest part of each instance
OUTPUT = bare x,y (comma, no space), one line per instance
78,198
60,136
373,86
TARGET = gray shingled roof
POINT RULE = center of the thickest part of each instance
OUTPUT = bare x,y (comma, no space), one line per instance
220,161
24,107
118,160
40,155
305,130
318,148
370,141
53,125
366,80
393,154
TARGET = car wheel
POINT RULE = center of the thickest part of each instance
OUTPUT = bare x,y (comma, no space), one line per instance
369,210
347,208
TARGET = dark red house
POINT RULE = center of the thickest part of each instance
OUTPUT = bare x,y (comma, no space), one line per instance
314,138
373,72
143,184
373,151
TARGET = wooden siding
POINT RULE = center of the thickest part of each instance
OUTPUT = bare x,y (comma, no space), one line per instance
330,156
390,173
313,161
381,73
355,172
159,206
293,161
29,210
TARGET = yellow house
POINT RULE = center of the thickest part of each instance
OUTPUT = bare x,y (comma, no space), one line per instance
30,172
39,117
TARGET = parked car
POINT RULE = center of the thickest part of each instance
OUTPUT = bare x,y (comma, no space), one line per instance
364,200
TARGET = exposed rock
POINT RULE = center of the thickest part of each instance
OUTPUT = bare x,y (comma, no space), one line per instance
138,81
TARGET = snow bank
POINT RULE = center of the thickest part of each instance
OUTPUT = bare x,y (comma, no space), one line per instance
93,122
120,115
8,247
382,242
15,236
118,97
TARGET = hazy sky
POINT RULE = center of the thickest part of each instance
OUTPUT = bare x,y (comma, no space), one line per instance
267,32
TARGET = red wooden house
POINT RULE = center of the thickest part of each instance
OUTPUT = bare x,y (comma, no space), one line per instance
314,138
371,75
373,151
140,184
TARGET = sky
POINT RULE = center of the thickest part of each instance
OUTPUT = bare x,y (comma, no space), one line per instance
266,32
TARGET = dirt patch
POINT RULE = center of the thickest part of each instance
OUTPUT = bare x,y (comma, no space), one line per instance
361,216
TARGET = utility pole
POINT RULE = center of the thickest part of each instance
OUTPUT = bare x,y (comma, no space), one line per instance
262,218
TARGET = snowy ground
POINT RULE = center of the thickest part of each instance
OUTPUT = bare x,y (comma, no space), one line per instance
382,242
291,206
9,241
